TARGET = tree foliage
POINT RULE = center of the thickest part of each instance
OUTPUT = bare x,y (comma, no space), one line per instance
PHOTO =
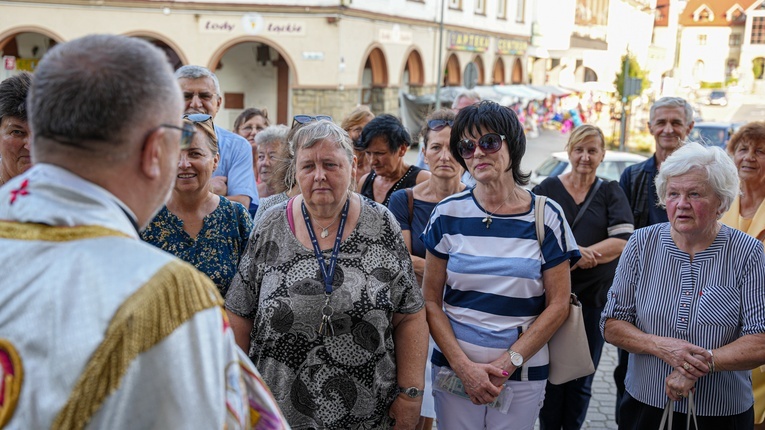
635,71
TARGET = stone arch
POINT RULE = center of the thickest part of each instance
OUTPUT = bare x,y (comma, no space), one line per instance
478,61
453,75
517,74
175,55
30,42
377,65
240,63
413,68
498,75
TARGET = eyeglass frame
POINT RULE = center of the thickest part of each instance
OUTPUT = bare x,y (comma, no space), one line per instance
309,118
187,134
477,143
442,123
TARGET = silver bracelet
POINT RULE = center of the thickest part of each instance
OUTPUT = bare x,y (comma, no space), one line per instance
711,363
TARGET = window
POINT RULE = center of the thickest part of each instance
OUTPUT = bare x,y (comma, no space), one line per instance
734,40
480,7
758,30
702,39
455,4
520,11
502,9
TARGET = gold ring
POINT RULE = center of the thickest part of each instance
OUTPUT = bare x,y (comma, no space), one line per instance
686,366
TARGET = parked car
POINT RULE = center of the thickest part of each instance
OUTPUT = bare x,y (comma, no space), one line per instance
713,133
716,97
610,169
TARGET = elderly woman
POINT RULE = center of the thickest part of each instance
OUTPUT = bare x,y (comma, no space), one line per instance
326,302
747,213
197,225
249,123
272,147
487,280
353,124
14,129
412,208
385,142
601,219
687,301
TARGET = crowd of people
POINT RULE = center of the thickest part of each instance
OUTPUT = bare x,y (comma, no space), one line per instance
308,277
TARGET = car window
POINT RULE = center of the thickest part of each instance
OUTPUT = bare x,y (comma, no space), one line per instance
709,136
609,170
551,167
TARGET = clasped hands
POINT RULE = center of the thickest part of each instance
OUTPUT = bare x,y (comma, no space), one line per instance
690,362
483,382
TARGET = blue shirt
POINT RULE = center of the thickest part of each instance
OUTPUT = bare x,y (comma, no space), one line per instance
216,249
236,164
709,301
494,285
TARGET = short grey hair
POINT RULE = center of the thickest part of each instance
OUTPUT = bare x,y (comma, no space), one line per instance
198,72
273,134
315,132
85,95
467,94
722,175
671,102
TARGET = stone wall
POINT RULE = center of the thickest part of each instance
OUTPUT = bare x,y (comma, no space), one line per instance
339,103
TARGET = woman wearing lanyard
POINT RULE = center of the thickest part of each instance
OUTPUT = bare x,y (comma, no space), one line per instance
326,302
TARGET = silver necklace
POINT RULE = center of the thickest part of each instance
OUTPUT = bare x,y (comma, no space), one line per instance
325,230
487,219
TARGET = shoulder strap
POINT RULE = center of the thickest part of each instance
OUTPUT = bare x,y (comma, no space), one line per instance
539,218
410,204
587,202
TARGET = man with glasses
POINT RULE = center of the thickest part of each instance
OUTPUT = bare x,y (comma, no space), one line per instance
234,177
98,328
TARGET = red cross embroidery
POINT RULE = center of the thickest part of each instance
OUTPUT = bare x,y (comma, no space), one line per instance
21,191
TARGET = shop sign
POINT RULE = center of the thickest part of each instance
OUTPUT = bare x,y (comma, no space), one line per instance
313,55
9,62
294,28
395,36
511,46
218,25
27,64
468,42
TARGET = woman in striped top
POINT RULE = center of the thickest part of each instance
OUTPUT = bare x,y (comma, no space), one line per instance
687,301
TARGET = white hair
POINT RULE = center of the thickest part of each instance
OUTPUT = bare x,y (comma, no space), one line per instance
721,173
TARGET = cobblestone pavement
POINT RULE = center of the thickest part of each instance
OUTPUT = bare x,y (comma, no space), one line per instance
600,414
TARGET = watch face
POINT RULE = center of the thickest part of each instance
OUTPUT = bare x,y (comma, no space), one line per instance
516,359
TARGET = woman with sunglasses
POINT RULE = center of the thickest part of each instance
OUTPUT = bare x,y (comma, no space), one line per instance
354,124
197,225
601,219
487,281
385,141
412,208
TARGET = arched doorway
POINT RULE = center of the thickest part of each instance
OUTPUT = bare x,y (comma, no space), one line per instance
374,79
478,61
173,53
698,71
452,74
590,75
27,46
517,77
253,73
414,73
498,75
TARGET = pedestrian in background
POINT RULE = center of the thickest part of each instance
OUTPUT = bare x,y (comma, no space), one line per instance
601,220
687,301
15,158
353,124
488,280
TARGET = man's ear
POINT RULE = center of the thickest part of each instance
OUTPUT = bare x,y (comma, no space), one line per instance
151,154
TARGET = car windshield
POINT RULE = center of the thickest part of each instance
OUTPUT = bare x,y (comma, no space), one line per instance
552,167
717,94
709,136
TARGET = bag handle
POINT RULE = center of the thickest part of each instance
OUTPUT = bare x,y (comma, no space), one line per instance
410,204
669,411
539,218
586,203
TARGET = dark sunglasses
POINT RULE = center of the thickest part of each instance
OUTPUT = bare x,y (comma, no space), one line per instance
489,143
305,119
439,124
187,134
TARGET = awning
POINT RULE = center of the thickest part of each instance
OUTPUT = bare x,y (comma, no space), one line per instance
551,90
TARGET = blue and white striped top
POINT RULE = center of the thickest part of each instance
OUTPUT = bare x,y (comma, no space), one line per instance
710,301
494,284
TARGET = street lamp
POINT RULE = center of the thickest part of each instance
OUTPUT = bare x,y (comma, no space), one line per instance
440,49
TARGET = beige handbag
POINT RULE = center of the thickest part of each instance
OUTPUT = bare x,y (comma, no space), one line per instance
569,351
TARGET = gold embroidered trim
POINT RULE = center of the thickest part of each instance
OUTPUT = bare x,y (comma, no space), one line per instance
11,382
29,231
165,302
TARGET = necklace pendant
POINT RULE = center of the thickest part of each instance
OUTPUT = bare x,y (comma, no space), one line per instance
324,233
487,221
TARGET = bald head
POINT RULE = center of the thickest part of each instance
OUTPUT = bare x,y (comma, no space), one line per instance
98,93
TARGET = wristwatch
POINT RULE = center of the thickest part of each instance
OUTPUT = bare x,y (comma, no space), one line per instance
515,358
411,392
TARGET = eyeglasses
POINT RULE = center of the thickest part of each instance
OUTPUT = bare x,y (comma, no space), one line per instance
196,118
187,134
305,119
439,124
489,143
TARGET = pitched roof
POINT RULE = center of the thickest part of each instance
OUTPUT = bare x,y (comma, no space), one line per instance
712,13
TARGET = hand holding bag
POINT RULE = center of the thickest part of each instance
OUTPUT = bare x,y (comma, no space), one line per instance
669,411
569,351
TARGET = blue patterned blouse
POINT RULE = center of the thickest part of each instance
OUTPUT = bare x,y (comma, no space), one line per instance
216,249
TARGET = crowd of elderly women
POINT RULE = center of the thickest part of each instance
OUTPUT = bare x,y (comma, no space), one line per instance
356,257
